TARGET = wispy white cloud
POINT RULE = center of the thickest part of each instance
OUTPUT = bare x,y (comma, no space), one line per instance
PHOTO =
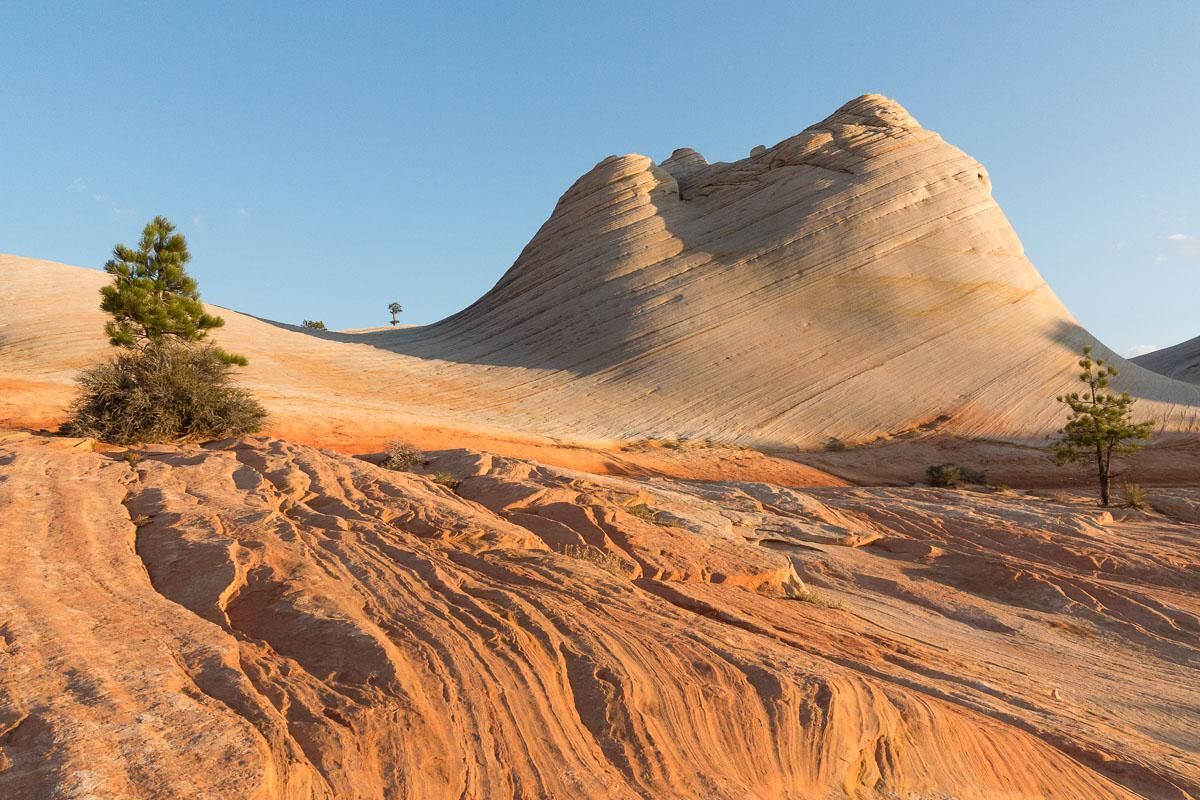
1184,245
80,186
198,220
241,213
1141,350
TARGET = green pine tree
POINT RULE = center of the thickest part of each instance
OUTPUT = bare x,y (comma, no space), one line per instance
1100,424
152,297
165,384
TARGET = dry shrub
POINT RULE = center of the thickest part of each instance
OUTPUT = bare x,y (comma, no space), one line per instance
645,513
446,479
163,392
951,476
602,558
807,595
402,457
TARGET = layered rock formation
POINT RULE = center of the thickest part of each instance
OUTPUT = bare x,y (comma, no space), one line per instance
856,281
264,620
1181,362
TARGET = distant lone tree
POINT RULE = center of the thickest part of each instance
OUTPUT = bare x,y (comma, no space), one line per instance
165,384
1100,424
395,310
313,324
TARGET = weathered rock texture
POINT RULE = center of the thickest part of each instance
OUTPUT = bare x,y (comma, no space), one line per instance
264,620
1181,361
854,281
260,619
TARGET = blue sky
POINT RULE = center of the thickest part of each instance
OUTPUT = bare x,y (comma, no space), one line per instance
329,158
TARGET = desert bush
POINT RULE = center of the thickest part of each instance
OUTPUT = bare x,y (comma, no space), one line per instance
313,324
601,558
446,479
807,595
945,476
402,457
1135,496
952,476
834,445
974,476
164,391
645,513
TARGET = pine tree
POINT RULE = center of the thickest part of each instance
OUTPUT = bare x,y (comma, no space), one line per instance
152,297
395,310
1100,424
165,384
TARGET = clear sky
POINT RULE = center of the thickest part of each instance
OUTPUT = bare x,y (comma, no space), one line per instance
325,159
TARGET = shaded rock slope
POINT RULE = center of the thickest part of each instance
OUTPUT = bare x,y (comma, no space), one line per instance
258,619
855,281
1181,361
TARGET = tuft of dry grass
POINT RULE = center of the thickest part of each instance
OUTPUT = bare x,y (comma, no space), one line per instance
807,595
645,513
446,479
1135,496
601,558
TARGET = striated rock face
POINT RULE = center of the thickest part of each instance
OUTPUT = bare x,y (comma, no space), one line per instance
1181,362
261,619
264,620
855,281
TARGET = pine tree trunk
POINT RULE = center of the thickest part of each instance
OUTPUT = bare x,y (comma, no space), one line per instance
1102,474
1104,489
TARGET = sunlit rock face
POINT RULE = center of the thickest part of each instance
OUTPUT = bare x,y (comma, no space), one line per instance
855,281
267,619
259,619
